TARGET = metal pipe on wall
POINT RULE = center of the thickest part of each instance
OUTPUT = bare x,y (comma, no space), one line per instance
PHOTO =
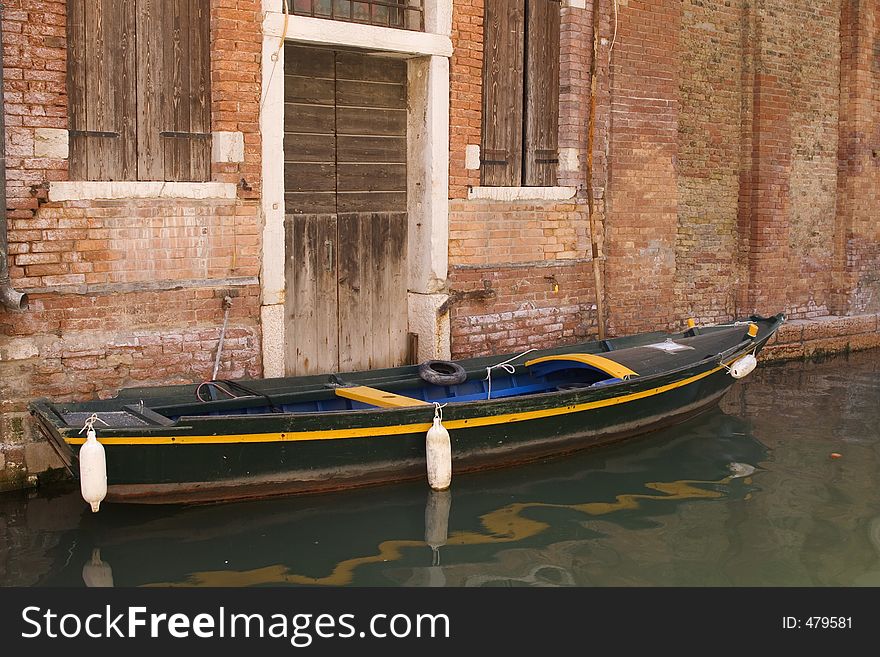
9,296
594,238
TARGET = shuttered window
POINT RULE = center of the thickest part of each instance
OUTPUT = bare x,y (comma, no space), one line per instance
520,93
139,90
401,14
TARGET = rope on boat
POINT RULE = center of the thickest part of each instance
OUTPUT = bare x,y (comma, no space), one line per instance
510,369
742,366
216,387
235,385
89,424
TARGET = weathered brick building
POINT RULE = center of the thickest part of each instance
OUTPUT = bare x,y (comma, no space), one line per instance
356,171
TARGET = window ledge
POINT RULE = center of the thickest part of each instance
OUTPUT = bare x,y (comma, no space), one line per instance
125,189
522,193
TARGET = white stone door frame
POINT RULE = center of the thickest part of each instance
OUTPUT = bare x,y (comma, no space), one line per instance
427,54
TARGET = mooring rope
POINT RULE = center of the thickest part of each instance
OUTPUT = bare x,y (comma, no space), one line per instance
89,424
505,365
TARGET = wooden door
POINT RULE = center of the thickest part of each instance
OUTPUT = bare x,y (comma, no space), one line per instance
346,221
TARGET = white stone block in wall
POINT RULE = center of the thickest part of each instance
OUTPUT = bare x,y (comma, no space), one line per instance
51,143
18,349
576,4
272,323
431,325
82,190
568,159
227,147
471,157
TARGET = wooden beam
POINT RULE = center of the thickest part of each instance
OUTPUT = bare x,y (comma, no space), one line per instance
375,397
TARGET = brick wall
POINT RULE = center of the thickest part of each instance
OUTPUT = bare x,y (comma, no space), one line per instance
465,92
35,89
88,243
736,161
709,147
640,233
524,306
76,346
519,278
236,80
487,232
123,291
815,90
857,231
519,271
774,132
575,53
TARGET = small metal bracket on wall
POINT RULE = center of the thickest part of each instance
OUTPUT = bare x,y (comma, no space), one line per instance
456,296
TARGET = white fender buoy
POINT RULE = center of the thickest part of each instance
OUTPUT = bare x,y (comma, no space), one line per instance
92,468
438,452
743,366
97,573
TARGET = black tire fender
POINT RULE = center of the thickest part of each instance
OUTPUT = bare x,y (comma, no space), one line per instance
442,372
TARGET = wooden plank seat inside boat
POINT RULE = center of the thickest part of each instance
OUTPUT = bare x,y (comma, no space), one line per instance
376,397
129,415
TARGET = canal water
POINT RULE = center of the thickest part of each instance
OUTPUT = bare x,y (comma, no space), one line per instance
778,487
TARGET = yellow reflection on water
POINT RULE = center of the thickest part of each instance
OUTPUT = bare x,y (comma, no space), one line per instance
504,525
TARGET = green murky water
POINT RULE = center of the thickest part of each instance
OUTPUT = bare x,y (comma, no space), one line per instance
745,495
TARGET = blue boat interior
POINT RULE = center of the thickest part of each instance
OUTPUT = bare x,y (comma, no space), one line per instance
523,381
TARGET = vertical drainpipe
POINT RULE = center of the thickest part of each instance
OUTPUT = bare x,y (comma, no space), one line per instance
9,296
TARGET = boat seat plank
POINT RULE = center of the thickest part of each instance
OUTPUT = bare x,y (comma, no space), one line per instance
376,397
592,360
148,414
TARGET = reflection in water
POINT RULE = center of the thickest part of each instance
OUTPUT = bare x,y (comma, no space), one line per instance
748,496
738,470
872,578
437,531
97,573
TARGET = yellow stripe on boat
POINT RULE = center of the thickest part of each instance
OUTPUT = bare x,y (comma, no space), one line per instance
599,362
376,397
393,430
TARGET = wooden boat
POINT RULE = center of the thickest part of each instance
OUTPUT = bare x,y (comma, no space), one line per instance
222,440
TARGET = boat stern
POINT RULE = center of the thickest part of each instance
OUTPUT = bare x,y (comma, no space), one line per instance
47,420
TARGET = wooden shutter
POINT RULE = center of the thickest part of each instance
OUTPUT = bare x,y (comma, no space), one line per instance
101,81
542,92
174,138
501,148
